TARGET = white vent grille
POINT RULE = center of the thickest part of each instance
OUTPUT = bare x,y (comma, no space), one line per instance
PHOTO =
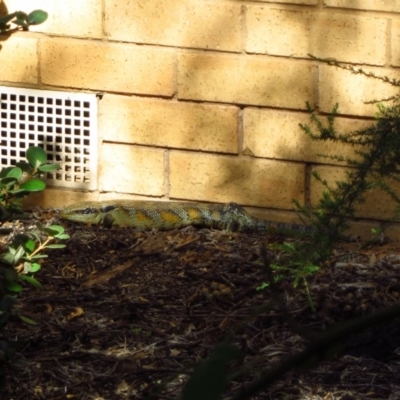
64,124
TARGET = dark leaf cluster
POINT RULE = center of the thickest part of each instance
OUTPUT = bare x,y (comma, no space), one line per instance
22,20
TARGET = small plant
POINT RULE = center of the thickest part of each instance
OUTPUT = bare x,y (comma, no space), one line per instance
22,20
299,266
19,181
376,163
17,265
21,259
23,256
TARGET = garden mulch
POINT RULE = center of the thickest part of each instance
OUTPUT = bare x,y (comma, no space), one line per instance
126,315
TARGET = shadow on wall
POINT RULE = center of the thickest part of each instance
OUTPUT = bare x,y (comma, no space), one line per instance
225,79
3,11
218,66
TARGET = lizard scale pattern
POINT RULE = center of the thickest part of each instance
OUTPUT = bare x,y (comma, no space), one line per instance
146,215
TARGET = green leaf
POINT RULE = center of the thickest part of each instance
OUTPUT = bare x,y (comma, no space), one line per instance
4,27
7,18
53,230
10,274
20,240
37,17
39,256
30,267
49,167
35,267
8,258
18,192
21,15
27,320
20,22
209,378
25,167
35,236
32,281
55,246
289,247
13,286
58,228
16,254
4,171
262,286
33,185
9,181
19,253
14,172
63,236
30,245
36,156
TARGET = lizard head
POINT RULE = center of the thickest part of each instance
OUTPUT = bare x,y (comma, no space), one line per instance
89,212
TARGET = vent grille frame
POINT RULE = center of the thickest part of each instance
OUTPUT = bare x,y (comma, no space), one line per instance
63,123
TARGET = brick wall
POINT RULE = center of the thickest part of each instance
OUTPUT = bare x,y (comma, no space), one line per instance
201,99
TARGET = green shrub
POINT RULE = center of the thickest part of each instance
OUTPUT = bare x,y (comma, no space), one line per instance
20,260
23,20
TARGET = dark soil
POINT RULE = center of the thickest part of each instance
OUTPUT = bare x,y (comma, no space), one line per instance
126,315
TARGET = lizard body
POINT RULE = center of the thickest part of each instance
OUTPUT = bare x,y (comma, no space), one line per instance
146,215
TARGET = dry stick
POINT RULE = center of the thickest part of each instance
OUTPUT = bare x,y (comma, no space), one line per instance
322,346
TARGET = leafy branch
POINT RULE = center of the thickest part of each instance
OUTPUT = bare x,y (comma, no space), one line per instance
22,258
24,178
22,20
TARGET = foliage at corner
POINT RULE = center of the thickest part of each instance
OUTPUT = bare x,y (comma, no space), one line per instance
22,20
24,178
375,164
23,257
209,379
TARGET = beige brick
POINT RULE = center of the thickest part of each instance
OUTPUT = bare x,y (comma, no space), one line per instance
71,18
395,40
57,198
308,2
351,38
184,23
277,31
360,228
244,79
19,60
378,5
82,18
242,180
123,196
130,169
169,123
277,215
352,91
276,134
377,205
105,66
